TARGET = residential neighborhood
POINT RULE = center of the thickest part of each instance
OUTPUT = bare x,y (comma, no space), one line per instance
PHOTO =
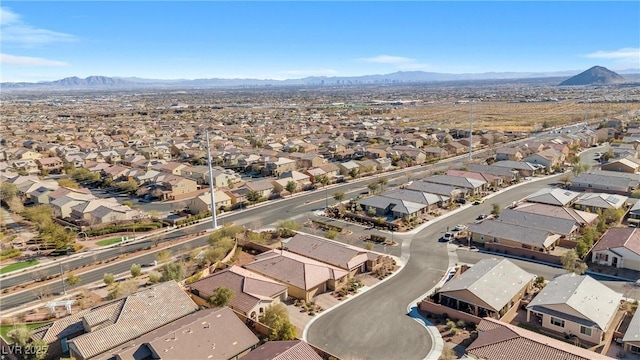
240,231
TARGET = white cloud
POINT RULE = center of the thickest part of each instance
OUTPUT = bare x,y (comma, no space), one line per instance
388,59
6,59
624,54
14,30
401,62
319,72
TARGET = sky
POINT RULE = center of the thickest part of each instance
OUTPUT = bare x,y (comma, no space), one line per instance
49,40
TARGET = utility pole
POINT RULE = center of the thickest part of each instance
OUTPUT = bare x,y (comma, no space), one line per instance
471,132
64,289
213,197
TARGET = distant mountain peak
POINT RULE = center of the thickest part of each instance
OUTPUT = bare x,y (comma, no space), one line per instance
597,75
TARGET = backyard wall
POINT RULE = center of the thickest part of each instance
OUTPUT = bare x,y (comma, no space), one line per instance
535,255
438,309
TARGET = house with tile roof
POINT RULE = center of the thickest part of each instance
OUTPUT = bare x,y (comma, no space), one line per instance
472,186
344,256
508,176
582,218
603,183
305,278
90,333
576,305
595,202
554,196
631,338
396,207
627,165
449,191
513,235
253,293
568,228
488,288
206,334
283,350
619,247
498,341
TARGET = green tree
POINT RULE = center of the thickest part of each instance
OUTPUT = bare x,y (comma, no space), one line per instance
37,350
108,278
136,270
124,288
163,256
354,173
213,255
154,277
371,211
383,181
324,180
291,187
339,196
20,335
579,168
253,196
287,228
172,271
572,263
222,296
331,234
495,209
373,187
73,280
277,318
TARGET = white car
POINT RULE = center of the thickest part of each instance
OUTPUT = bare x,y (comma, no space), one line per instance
460,227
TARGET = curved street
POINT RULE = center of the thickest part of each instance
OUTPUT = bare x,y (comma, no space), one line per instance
375,325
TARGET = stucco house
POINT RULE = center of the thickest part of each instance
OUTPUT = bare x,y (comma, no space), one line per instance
253,293
576,305
619,247
488,288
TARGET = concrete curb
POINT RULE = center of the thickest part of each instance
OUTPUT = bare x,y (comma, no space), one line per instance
400,262
436,339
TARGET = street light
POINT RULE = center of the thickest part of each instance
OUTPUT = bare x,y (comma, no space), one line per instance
326,197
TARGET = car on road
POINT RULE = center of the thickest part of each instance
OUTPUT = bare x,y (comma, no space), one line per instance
460,227
481,218
448,236
478,201
598,155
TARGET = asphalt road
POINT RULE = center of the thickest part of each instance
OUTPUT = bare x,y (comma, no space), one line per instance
375,325
259,216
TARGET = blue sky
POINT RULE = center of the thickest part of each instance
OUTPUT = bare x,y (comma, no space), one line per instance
48,40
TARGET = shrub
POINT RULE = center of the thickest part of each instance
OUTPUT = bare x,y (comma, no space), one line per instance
461,324
451,325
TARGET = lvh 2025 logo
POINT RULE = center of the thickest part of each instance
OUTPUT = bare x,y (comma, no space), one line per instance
22,350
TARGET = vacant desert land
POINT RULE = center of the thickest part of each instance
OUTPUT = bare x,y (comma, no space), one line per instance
509,116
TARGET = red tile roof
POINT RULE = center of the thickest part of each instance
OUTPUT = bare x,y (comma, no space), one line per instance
498,341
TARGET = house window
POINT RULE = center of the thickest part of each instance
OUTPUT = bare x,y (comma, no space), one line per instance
634,349
557,322
585,330
606,257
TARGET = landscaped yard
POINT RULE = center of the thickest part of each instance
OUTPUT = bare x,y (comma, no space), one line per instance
18,266
107,242
4,329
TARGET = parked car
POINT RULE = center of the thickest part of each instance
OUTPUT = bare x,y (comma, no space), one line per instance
461,201
448,236
478,202
460,227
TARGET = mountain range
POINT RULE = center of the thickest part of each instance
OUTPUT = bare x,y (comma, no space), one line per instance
401,77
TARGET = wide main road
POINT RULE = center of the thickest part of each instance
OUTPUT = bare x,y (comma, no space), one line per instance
262,215
375,325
